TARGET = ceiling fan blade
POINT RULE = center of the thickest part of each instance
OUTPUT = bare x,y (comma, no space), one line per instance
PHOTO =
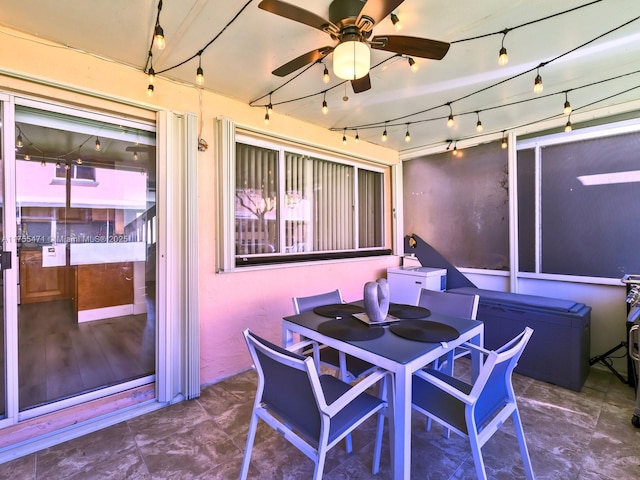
376,10
412,46
301,61
362,84
292,12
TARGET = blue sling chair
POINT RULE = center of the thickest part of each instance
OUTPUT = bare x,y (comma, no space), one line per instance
476,410
314,412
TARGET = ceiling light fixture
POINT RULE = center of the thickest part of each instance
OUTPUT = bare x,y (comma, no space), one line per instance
325,107
450,121
567,105
98,146
479,127
503,143
351,60
325,75
503,58
537,84
396,22
412,64
199,71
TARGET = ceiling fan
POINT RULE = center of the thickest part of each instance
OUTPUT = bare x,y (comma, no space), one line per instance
351,24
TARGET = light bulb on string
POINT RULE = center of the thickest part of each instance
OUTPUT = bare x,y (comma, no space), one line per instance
150,90
158,38
503,58
98,146
151,72
567,105
479,126
384,134
455,149
568,127
407,136
357,137
412,65
19,142
270,106
396,22
199,71
266,117
325,75
503,143
450,121
537,84
344,136
325,107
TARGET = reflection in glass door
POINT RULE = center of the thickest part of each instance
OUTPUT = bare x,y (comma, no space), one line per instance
3,349
85,201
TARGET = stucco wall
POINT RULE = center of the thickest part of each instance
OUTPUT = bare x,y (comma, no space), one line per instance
228,302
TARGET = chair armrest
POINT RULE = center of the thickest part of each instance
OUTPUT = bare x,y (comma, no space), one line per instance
444,386
362,385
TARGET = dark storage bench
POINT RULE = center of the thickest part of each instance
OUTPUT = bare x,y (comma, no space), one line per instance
559,350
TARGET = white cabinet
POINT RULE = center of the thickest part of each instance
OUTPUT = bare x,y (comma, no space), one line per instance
405,283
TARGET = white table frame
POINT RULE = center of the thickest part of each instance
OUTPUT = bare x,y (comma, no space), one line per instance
400,394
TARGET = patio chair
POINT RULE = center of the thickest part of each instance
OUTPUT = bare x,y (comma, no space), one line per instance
312,411
349,368
456,305
476,410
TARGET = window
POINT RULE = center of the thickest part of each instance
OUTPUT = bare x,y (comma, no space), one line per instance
292,205
78,173
587,215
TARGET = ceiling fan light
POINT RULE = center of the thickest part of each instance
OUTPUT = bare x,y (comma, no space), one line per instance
503,58
351,60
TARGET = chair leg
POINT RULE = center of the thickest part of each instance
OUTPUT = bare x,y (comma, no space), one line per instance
251,435
477,456
524,451
322,456
382,393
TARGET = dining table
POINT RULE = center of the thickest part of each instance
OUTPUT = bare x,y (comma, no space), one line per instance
413,346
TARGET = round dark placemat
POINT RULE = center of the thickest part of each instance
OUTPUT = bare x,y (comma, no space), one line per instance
408,311
349,329
335,310
424,331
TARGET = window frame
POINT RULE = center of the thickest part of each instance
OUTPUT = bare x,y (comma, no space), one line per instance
228,135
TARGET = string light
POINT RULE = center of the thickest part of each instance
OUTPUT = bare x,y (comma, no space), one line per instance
455,149
135,156
158,36
325,75
270,106
199,71
407,136
412,64
43,163
503,58
150,90
98,146
27,157
504,143
450,121
479,127
567,105
325,107
266,116
357,137
537,84
396,22
19,143
384,134
568,127
79,160
344,136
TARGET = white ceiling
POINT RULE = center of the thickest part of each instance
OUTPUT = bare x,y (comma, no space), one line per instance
239,62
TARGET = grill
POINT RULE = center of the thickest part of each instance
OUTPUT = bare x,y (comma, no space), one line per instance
633,328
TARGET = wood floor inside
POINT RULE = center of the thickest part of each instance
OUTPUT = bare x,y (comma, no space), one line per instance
60,358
